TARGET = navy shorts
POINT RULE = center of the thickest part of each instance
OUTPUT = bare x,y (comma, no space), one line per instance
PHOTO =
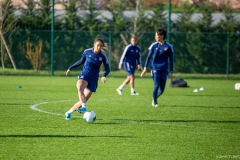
160,73
92,81
129,68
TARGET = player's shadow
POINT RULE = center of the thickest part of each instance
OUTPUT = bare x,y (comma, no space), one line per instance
13,104
104,123
187,106
59,136
99,121
173,121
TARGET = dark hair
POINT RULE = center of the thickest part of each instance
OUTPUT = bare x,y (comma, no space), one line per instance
100,40
163,32
105,45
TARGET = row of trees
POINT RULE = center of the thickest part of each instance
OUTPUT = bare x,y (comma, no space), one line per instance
30,18
30,26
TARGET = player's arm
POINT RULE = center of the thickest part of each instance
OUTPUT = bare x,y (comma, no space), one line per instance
150,52
144,71
139,62
171,63
139,67
122,57
107,70
76,64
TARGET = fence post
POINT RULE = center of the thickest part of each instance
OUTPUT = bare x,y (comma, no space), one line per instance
52,40
110,47
227,58
169,22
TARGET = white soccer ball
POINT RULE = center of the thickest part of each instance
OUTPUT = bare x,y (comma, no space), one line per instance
89,117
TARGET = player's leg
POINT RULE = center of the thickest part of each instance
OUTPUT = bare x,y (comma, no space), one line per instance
120,88
127,80
163,80
87,94
81,85
132,79
77,105
162,87
156,81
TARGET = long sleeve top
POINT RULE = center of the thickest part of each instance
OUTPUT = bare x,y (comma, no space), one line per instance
160,55
92,63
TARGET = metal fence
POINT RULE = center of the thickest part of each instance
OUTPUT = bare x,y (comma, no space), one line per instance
206,53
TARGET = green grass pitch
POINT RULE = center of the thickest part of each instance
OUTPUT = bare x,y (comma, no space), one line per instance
186,125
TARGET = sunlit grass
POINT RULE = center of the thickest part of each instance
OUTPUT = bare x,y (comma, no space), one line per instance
186,125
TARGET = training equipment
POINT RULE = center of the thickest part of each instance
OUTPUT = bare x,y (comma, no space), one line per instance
237,86
201,89
195,90
89,117
178,83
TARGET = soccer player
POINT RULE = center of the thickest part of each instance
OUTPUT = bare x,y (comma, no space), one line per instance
161,53
130,57
87,83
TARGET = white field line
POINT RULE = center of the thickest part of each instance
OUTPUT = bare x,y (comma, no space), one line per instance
34,107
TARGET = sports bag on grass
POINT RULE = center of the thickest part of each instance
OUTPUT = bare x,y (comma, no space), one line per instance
179,83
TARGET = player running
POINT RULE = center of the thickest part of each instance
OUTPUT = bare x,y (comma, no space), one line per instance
87,83
129,58
160,51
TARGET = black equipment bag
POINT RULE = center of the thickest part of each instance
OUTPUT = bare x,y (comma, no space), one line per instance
179,83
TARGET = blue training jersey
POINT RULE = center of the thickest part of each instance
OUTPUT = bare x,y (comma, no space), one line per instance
131,55
160,55
92,63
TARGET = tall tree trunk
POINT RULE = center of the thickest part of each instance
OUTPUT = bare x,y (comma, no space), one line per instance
8,51
2,55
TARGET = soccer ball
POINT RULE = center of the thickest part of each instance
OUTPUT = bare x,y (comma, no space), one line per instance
89,117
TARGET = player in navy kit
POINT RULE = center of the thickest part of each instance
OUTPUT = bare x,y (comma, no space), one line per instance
161,53
87,83
129,59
